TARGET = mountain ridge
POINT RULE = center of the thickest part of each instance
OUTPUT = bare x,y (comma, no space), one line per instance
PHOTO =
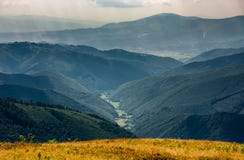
186,36
212,54
96,69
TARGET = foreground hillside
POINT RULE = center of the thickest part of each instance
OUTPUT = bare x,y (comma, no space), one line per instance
41,123
124,149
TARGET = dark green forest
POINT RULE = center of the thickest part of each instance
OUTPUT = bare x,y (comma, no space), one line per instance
39,122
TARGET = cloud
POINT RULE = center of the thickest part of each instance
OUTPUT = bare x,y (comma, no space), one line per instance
121,10
10,3
118,3
196,1
167,2
146,3
131,3
99,3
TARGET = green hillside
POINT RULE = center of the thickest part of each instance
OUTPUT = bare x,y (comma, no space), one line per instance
59,83
47,122
37,95
95,69
161,104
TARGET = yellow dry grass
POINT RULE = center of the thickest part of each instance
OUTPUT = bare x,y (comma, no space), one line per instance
124,149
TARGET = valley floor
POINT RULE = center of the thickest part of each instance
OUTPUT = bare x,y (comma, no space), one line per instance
123,119
123,149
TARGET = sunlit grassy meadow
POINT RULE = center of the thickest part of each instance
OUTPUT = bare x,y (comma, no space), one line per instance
123,149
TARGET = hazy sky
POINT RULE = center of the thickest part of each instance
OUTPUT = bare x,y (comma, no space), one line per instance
121,10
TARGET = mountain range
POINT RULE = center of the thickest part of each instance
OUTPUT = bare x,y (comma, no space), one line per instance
95,69
159,95
56,84
161,34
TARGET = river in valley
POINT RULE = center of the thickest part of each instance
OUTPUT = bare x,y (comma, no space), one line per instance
123,119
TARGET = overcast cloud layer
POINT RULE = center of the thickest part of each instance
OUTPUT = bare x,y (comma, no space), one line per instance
121,10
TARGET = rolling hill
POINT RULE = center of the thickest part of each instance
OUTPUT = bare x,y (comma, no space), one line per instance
63,85
47,122
95,69
44,96
159,34
160,103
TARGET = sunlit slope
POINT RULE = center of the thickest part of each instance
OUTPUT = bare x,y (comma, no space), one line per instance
125,149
